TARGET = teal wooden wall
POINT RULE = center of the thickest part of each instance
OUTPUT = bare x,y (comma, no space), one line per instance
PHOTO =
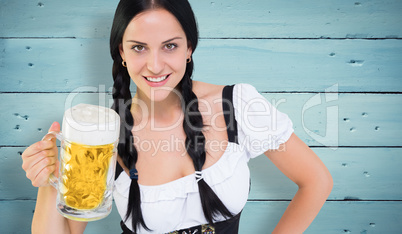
333,66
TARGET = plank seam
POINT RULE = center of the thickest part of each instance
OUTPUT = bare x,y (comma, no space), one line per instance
328,200
54,92
311,146
301,38
356,146
235,38
253,200
17,199
340,92
268,92
39,38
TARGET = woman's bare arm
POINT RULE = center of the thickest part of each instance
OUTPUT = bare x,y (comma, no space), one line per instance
300,164
39,161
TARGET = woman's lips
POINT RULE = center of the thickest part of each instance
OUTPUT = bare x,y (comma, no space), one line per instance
156,81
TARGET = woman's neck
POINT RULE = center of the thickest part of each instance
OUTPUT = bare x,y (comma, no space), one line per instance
164,112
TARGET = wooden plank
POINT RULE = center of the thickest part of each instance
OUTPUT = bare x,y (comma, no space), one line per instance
218,18
356,171
30,123
16,217
335,217
320,120
49,65
57,18
302,65
62,65
363,119
257,217
311,19
13,182
60,46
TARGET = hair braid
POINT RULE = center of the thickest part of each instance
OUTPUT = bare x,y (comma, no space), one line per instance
122,105
192,125
195,145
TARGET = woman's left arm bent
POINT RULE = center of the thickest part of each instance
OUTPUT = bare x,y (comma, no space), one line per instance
300,164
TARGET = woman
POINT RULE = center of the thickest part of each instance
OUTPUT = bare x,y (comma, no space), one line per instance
200,180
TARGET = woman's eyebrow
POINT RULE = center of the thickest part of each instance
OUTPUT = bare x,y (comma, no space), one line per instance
143,43
138,42
174,38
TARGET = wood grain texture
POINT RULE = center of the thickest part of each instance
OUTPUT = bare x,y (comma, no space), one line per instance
62,65
332,66
334,217
319,119
217,18
257,217
16,218
356,171
358,174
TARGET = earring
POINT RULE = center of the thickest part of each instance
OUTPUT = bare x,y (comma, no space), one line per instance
124,63
189,60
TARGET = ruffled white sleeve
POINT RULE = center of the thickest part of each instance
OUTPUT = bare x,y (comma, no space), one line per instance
261,126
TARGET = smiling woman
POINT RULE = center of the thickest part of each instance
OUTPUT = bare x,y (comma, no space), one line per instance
155,47
200,182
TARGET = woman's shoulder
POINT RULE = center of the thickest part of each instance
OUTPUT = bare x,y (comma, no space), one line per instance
213,93
207,91
209,98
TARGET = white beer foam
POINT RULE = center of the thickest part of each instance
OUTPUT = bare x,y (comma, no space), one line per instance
91,125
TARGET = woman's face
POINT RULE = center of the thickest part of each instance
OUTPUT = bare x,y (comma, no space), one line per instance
155,49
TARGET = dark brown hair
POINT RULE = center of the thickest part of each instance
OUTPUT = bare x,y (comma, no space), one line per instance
192,125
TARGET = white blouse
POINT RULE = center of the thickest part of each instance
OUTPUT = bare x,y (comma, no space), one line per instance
176,205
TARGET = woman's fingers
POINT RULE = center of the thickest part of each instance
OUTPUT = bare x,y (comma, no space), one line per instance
39,160
39,166
48,142
42,178
37,147
30,154
55,127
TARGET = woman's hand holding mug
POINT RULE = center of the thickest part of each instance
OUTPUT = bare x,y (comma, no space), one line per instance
40,160
84,173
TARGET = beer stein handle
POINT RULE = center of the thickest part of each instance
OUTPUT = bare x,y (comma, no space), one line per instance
53,180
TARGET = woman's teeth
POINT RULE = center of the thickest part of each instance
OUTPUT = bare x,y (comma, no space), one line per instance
159,79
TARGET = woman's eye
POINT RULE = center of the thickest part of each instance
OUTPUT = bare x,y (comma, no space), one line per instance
170,46
138,48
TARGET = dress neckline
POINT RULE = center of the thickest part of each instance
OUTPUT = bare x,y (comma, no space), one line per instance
192,174
227,94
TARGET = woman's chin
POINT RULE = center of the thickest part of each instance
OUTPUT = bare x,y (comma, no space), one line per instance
161,94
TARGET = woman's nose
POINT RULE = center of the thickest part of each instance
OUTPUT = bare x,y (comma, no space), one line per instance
155,63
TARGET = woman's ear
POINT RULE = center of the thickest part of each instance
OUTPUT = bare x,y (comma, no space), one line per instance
189,50
121,52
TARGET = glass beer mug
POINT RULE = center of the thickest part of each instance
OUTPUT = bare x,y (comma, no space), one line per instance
87,158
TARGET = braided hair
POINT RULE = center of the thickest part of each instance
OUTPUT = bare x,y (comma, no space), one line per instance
192,124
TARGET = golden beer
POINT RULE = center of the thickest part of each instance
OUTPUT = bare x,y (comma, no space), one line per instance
89,139
84,171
